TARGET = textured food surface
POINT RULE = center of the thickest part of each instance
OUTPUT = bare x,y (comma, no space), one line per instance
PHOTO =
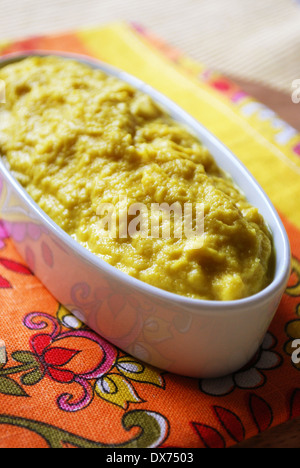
76,139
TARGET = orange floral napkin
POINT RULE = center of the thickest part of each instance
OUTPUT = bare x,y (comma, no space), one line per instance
62,385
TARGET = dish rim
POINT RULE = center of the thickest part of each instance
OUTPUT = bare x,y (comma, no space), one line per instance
281,273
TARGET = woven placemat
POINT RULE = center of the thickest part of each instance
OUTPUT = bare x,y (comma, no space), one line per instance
248,39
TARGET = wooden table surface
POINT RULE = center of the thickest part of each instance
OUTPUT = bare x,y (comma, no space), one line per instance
259,50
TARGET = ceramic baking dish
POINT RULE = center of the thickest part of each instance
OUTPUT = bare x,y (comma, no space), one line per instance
187,336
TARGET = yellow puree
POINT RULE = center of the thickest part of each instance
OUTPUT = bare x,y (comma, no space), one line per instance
76,138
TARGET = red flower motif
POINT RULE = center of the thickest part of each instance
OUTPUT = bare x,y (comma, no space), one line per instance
4,284
16,267
210,437
53,358
231,423
295,404
94,370
261,411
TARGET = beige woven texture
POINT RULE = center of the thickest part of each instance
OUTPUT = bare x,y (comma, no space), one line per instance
254,39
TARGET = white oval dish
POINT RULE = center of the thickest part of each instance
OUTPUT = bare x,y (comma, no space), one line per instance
191,337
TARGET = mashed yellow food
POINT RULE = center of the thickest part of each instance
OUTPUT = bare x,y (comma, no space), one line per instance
76,138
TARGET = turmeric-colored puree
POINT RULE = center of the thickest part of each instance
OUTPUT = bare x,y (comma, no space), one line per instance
76,138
